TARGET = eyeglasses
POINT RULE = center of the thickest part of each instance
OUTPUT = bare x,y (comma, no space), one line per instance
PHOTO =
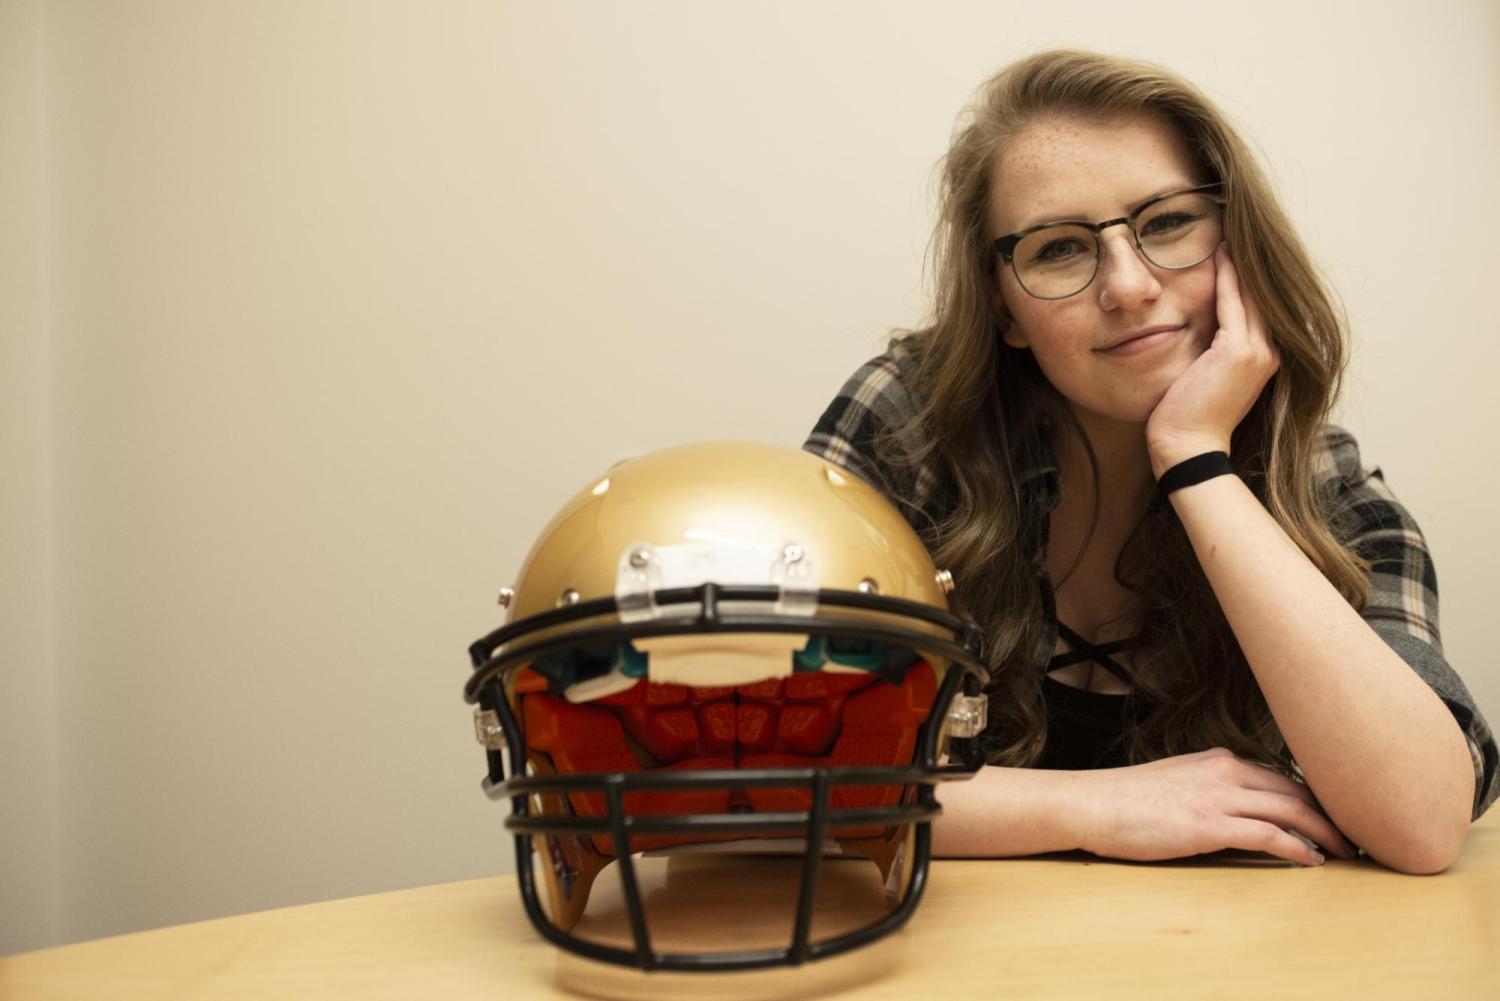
1172,231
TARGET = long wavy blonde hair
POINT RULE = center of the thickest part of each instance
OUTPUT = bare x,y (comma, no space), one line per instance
984,409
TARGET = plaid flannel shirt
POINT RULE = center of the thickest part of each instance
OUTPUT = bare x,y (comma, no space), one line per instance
1403,606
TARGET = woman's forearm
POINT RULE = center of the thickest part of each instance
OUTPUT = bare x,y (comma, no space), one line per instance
1379,749
1004,812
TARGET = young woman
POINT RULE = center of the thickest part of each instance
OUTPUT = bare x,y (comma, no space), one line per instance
1209,624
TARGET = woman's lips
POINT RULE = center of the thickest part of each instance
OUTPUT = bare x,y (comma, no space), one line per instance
1140,344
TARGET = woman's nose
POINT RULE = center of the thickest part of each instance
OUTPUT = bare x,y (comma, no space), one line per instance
1125,277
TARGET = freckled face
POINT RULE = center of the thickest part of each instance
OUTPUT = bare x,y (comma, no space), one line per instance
1072,169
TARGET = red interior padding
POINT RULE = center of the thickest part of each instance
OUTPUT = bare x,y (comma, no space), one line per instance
812,718
587,738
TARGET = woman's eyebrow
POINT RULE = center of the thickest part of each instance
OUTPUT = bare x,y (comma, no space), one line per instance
1046,220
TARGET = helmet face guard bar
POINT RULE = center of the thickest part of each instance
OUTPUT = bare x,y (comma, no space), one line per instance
486,687
799,951
711,618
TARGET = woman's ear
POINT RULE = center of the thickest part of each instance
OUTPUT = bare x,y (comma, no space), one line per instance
1010,333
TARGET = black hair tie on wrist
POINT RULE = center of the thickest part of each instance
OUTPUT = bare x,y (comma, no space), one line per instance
1194,470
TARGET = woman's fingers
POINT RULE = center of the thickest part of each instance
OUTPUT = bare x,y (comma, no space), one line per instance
1297,815
1263,836
1255,330
1240,317
1254,791
1203,802
1227,285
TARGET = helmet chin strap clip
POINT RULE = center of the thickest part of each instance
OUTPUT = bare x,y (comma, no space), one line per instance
488,730
968,715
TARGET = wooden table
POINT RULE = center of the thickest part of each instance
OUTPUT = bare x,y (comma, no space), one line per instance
1224,926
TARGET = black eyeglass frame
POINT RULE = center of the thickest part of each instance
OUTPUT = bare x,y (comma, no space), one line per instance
1005,246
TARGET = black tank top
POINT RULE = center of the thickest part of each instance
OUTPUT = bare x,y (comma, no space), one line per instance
1084,729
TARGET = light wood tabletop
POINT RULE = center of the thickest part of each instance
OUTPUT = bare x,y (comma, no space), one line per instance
1230,925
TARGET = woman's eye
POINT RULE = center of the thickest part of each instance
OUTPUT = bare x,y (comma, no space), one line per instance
1057,251
1167,222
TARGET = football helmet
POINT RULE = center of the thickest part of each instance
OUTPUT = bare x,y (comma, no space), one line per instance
730,670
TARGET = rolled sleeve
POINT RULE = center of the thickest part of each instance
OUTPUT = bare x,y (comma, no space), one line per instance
1403,605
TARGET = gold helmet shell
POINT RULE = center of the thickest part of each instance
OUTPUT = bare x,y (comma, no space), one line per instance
745,508
736,493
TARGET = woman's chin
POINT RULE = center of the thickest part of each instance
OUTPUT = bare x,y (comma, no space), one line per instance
1115,414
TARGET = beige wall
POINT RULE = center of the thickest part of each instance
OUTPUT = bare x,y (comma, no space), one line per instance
314,311
30,863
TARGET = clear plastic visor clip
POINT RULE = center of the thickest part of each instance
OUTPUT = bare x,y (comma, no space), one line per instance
968,715
645,569
487,729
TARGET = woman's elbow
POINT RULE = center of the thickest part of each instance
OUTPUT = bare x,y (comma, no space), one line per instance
1425,852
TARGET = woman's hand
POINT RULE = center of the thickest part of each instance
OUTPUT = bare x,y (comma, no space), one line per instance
1206,403
1203,802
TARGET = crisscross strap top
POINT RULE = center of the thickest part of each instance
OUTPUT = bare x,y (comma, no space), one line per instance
1085,729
